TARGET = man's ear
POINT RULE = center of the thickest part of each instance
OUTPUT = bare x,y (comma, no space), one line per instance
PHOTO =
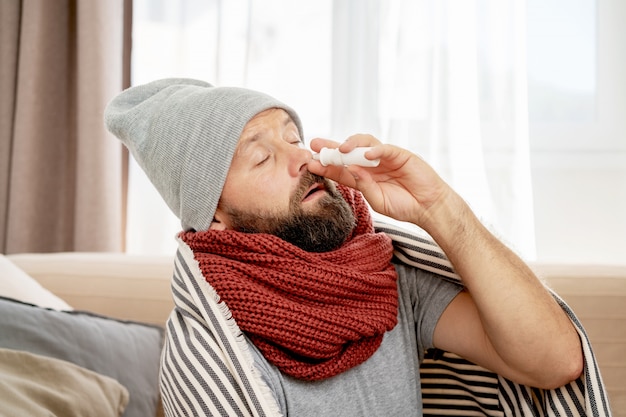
219,221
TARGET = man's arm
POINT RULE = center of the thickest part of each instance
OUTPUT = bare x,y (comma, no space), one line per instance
506,321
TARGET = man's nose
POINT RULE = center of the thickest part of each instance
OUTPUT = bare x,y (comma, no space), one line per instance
299,158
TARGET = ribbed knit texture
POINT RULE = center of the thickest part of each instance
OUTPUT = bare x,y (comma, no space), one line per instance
183,133
313,315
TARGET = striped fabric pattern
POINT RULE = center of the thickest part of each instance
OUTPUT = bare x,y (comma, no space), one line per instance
207,369
453,386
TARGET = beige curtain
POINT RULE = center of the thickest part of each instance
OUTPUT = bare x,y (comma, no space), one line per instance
61,175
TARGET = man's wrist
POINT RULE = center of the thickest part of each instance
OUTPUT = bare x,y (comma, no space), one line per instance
447,217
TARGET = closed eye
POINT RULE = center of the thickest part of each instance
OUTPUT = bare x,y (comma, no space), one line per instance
295,140
264,160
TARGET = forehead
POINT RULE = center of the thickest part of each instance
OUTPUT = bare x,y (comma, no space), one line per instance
266,120
267,124
263,125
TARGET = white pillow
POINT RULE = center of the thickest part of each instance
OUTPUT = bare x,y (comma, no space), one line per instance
17,284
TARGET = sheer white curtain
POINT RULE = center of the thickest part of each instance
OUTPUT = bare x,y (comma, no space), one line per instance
443,78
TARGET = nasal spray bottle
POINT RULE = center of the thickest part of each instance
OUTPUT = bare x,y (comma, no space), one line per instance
328,156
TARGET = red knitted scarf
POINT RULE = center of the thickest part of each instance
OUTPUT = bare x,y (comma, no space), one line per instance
313,315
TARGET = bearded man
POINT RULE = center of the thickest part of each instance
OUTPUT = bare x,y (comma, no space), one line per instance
288,301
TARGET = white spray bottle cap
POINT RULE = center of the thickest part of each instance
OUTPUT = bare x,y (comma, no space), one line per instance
328,156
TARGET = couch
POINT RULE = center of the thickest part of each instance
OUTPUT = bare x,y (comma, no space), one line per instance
133,290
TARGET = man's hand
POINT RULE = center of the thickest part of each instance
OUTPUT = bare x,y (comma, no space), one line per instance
403,186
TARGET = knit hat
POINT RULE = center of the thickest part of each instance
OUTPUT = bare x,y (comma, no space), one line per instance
183,133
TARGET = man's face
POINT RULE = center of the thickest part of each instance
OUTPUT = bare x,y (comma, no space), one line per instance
270,190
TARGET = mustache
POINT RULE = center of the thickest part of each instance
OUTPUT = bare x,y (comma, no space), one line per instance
307,180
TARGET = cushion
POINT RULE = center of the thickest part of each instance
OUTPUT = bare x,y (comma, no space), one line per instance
33,385
128,352
116,285
15,283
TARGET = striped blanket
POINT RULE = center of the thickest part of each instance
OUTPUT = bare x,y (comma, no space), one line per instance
207,369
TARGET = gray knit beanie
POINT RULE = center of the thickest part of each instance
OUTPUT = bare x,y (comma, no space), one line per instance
183,133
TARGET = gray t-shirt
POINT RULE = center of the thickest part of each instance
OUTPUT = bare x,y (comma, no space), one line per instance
387,384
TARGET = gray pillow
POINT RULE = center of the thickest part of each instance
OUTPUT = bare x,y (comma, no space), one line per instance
128,352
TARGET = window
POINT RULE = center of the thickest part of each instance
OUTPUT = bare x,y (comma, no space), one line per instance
577,107
545,94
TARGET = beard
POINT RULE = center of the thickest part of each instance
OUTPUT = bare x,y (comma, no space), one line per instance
320,229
